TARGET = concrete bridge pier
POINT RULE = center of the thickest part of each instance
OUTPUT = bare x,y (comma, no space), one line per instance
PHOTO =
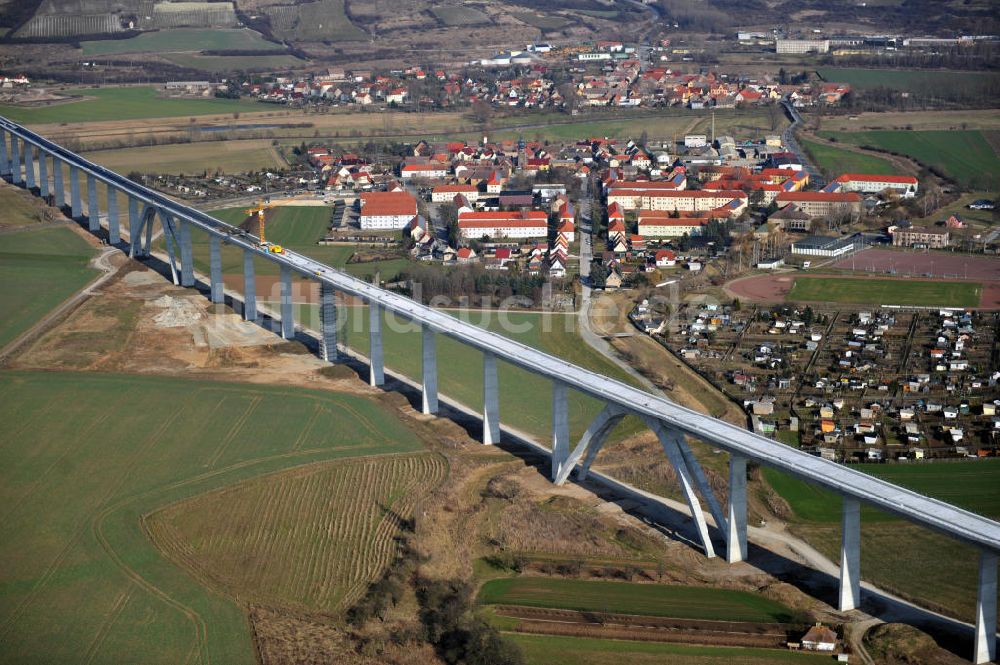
76,206
671,440
376,357
986,609
736,540
114,225
4,157
16,176
134,226
249,287
93,208
146,245
560,427
187,258
287,311
29,165
429,387
328,323
43,174
850,556
58,188
217,288
491,400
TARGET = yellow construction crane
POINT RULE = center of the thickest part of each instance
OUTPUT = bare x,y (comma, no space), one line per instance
261,210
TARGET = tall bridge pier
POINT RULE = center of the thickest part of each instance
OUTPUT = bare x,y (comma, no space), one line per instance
671,423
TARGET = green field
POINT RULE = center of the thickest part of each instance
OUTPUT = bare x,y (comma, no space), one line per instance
236,63
86,456
911,80
39,268
900,557
19,207
541,21
122,104
679,602
191,158
557,650
834,161
525,398
459,15
966,156
316,21
181,40
298,228
886,291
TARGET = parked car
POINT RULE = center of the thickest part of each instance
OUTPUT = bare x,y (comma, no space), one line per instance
982,204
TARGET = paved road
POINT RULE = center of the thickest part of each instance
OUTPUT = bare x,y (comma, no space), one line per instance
816,178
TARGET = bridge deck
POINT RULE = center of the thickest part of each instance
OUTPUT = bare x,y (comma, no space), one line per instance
943,517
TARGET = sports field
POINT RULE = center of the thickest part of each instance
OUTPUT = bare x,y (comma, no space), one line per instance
833,160
122,104
966,156
556,650
39,268
679,602
935,571
182,40
912,80
87,456
886,291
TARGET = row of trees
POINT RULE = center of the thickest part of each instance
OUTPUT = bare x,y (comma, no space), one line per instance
447,614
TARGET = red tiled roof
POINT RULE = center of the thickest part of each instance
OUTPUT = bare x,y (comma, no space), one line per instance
387,203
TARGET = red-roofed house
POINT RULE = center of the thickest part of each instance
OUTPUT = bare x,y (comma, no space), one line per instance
665,258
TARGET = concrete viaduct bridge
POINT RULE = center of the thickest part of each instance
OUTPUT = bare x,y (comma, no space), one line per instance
30,160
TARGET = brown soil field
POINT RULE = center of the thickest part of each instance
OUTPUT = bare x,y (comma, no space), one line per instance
546,621
923,264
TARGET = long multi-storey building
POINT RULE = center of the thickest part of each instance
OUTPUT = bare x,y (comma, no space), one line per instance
904,185
381,211
695,201
499,224
823,204
918,235
658,224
